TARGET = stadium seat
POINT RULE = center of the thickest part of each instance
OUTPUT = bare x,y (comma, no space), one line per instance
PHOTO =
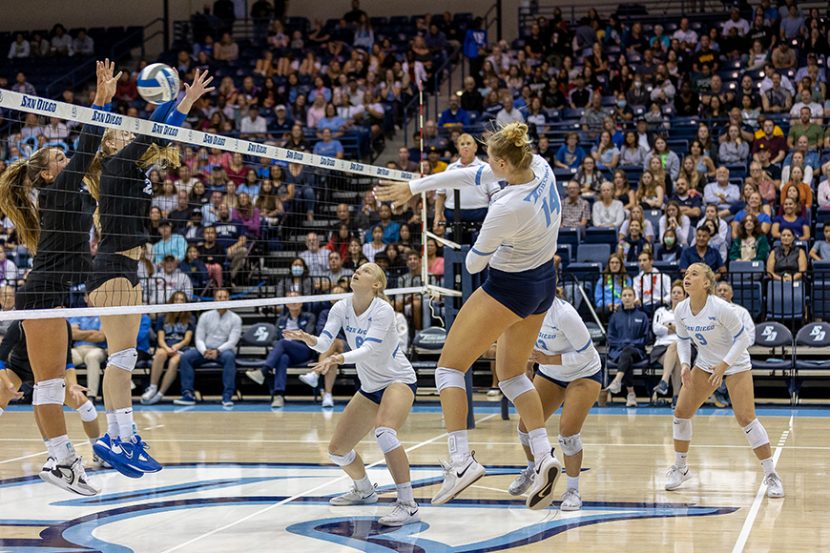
820,295
749,295
745,272
601,235
811,336
593,253
785,300
259,335
773,335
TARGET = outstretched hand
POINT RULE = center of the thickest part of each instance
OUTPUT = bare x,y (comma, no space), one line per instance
106,81
326,365
299,336
393,191
199,87
78,393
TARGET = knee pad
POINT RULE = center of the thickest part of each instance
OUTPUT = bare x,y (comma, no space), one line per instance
387,439
756,434
49,392
124,359
682,429
87,412
571,445
524,438
343,460
449,378
516,386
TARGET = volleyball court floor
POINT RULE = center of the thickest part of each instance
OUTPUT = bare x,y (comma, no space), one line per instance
253,480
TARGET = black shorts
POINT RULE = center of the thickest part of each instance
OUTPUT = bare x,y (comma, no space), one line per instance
41,293
22,369
597,376
525,293
107,266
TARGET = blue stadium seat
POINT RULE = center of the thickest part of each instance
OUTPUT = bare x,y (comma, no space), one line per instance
811,336
569,236
749,295
259,335
593,253
773,335
820,295
744,272
601,235
785,300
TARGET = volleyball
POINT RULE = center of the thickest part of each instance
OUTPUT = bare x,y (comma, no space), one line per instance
158,83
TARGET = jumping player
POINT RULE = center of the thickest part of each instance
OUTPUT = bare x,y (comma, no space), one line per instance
55,228
386,393
716,329
518,242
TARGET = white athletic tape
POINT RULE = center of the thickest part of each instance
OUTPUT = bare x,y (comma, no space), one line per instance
62,313
51,108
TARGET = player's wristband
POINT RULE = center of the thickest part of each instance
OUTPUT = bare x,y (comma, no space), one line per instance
2,365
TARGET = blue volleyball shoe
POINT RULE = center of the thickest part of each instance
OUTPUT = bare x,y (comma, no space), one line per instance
136,457
104,450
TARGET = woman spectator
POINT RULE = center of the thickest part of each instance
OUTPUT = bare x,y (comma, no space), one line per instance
269,204
701,150
375,245
689,172
716,241
250,185
749,113
661,177
805,192
714,110
231,197
226,49
622,190
824,189
634,242
155,221
589,177
316,112
792,221
303,198
355,257
734,151
174,332
669,250
650,195
606,154
669,159
755,208
196,270
166,201
796,159
674,220
638,214
299,281
247,215
237,169
339,241
435,262
762,182
750,243
264,66
333,122
364,36
536,115
787,261
607,211
632,154
721,228
608,291
628,333
665,344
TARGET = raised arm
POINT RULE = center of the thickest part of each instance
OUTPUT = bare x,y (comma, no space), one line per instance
400,192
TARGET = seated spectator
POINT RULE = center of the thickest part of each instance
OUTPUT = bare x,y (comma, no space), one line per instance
606,211
821,249
435,262
174,333
734,151
652,287
700,154
633,243
762,182
195,270
669,159
690,200
702,252
355,257
792,220
410,305
787,261
333,122
589,177
665,343
286,353
628,333
632,153
235,242
226,49
796,159
721,192
650,195
217,334
213,255
638,214
454,116
570,154
777,99
668,250
301,197
804,125
805,192
576,211
180,214
750,242
248,216
770,138
254,125
170,279
20,48
375,245
170,243
622,190
608,291
674,219
299,281
89,347
391,229
336,272
824,189
9,274
755,208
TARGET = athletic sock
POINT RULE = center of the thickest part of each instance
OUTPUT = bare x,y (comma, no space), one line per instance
60,448
124,418
364,485
458,446
680,459
539,444
405,493
768,465
573,483
112,424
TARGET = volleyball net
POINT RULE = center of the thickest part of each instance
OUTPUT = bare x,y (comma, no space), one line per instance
271,225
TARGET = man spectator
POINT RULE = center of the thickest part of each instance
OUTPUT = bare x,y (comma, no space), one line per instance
282,124
716,88
22,86
343,216
580,96
194,229
774,143
576,211
705,56
262,12
434,163
736,22
89,347
391,229
653,288
791,24
226,12
336,271
805,100
230,236
170,243
20,48
762,157
353,16
217,334
185,181
721,192
691,201
212,255
328,146
508,113
432,138
570,154
471,99
805,127
254,125
180,215
592,118
702,252
210,211
686,36
83,45
777,99
316,258
454,116
404,162
170,279
629,330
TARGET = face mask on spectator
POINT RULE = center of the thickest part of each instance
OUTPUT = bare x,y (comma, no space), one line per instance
296,271
669,241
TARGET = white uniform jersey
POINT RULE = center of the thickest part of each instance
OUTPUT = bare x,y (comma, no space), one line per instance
522,223
746,319
472,197
563,332
718,333
660,326
375,346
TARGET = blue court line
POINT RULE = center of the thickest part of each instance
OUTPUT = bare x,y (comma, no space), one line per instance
432,407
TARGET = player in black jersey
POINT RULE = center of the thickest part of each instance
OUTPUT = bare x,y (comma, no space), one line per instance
15,371
55,228
124,202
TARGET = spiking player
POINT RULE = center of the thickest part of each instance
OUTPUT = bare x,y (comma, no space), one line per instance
387,390
715,328
518,242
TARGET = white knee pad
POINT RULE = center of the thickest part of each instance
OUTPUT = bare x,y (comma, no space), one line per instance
682,429
87,412
124,359
516,386
524,438
387,439
343,460
756,434
449,378
571,445
49,392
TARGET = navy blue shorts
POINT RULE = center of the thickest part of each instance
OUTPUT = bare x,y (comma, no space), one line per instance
562,384
377,396
526,293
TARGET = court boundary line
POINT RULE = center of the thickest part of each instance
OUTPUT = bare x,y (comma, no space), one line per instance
746,529
302,494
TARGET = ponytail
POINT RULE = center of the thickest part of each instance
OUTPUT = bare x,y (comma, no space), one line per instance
16,183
